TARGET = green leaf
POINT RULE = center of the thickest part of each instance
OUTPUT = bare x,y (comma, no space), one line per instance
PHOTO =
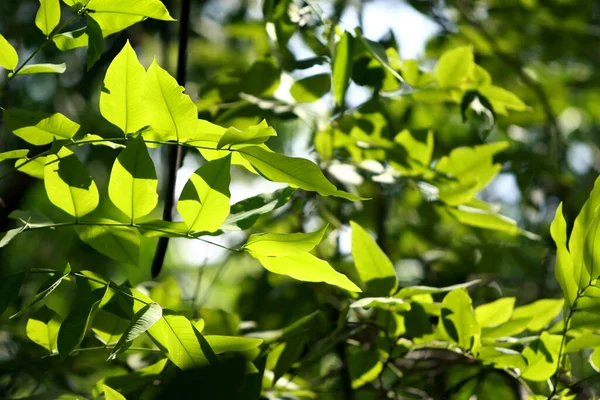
69,185
48,16
510,328
204,201
417,290
374,268
42,328
585,341
246,212
95,41
297,172
384,303
167,293
251,136
495,313
311,88
541,312
8,236
39,128
117,242
148,8
222,344
283,244
32,69
121,99
542,357
342,67
594,359
502,100
563,271
459,319
308,268
454,66
174,116
8,55
108,326
181,341
502,358
378,53
34,168
416,156
13,154
132,186
484,219
74,327
143,320
591,260
10,285
292,351
112,394
71,40
47,287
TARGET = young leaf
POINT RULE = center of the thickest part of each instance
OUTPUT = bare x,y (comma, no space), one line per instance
454,66
342,67
42,328
542,357
459,319
71,40
133,183
502,100
8,55
563,271
121,99
594,359
297,172
112,394
72,330
383,303
308,268
69,185
32,167
95,41
32,69
311,89
13,154
283,244
181,341
585,341
541,312
141,322
374,268
39,128
246,212
9,289
117,242
46,288
148,8
495,313
174,116
251,136
222,344
48,16
204,201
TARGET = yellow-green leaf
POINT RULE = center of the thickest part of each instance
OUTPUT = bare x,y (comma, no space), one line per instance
173,115
454,66
33,69
541,312
8,55
132,186
121,99
204,201
342,67
42,328
112,394
143,320
256,134
69,185
374,268
71,40
39,128
495,313
311,88
48,16
283,244
308,268
542,357
563,271
459,320
117,242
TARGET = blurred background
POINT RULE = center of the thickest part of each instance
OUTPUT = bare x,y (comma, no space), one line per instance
546,52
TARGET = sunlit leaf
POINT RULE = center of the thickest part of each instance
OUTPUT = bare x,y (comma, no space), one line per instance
69,185
108,326
39,128
167,293
384,303
479,218
132,186
502,358
117,242
454,66
502,100
253,135
8,55
374,268
342,67
459,319
595,359
311,88
283,244
112,394
495,313
308,268
541,312
71,40
32,69
417,290
13,154
542,357
143,320
582,342
121,98
222,344
204,201
246,212
563,271
173,115
42,328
